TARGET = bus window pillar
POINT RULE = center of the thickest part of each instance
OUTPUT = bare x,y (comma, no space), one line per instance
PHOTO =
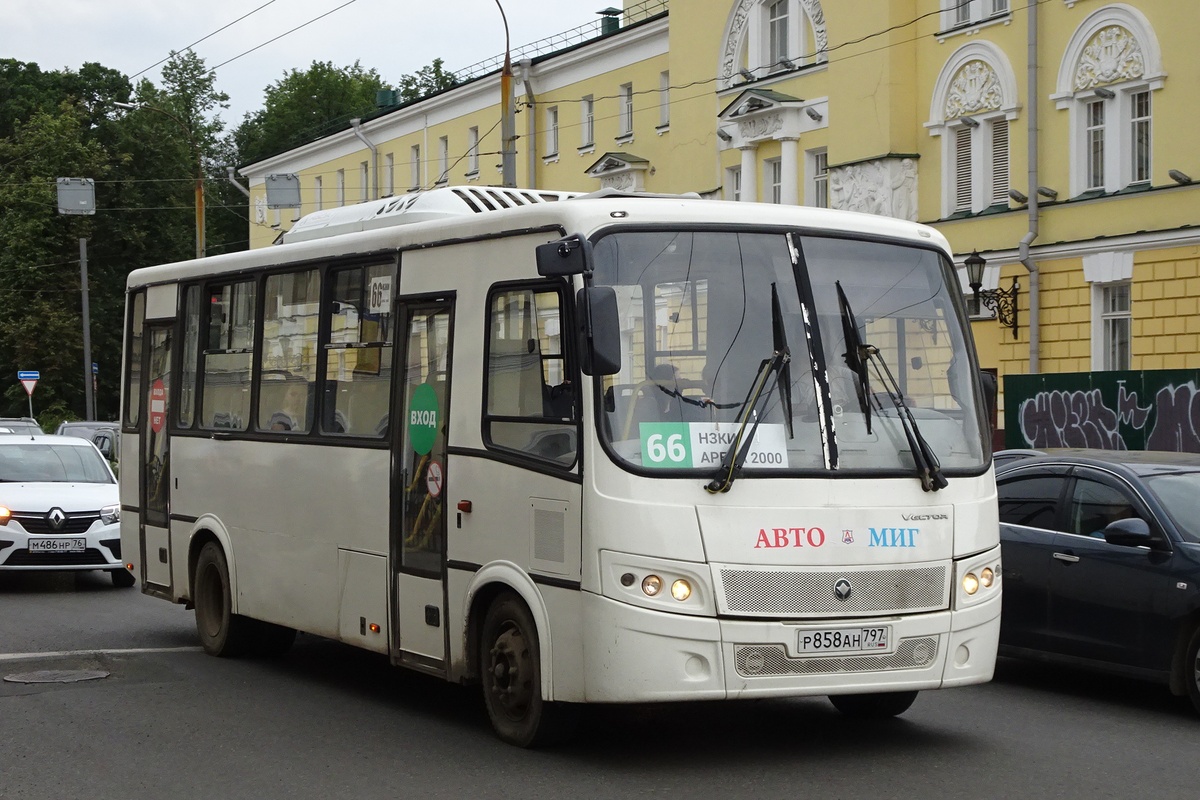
749,173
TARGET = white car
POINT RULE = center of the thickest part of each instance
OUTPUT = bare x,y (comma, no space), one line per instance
59,507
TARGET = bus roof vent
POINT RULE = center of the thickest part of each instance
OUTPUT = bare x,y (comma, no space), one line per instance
454,201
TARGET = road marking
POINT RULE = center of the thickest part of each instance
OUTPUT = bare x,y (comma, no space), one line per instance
125,652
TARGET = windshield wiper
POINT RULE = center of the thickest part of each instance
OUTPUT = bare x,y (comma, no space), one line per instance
859,357
777,365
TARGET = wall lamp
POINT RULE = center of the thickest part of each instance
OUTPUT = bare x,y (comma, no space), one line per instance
970,122
1002,301
1047,192
787,63
1017,197
724,135
746,74
813,114
1107,94
1182,178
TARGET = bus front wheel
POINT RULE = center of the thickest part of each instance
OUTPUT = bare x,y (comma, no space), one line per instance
873,706
510,670
222,633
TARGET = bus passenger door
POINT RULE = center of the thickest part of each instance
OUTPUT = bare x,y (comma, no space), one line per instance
418,528
155,456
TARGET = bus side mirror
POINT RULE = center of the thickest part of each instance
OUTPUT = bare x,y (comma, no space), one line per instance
600,341
571,255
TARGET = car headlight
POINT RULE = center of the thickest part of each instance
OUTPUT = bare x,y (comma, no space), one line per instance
110,514
5,515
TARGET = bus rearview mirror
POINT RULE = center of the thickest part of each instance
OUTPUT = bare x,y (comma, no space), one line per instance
600,342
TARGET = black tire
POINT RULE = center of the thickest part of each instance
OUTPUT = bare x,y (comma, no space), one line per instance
1191,669
122,578
510,670
873,706
222,633
272,641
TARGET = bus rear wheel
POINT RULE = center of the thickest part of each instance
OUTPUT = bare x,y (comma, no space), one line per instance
510,670
873,706
222,633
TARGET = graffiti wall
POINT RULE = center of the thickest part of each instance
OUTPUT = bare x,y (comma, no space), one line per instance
1142,410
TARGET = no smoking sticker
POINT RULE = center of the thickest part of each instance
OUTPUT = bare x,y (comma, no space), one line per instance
434,480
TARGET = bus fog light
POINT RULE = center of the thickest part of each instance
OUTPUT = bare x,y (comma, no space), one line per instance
651,585
987,577
627,579
970,583
681,590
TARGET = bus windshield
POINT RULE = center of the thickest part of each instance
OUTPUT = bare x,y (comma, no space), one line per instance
703,312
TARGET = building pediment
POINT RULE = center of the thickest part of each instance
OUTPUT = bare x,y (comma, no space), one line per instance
623,171
754,102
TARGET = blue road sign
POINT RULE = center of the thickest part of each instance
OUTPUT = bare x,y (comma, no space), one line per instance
28,375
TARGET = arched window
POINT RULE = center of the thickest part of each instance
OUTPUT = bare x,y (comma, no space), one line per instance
768,37
1108,74
974,100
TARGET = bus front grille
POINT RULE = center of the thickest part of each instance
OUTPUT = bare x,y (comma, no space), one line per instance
758,661
814,593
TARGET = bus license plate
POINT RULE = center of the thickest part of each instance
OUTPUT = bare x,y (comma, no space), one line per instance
877,639
77,545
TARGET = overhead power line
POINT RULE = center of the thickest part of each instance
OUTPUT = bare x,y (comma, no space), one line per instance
202,38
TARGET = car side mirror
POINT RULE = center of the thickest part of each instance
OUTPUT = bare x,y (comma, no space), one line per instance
1129,532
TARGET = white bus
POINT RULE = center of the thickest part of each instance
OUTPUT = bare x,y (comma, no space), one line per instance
601,448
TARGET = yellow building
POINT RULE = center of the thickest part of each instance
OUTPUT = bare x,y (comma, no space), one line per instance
1050,137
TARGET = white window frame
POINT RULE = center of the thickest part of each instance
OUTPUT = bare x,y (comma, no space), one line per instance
473,151
364,180
764,52
664,100
587,122
965,13
1106,272
551,132
389,165
816,170
733,183
987,170
414,162
1116,139
318,186
625,111
773,180
341,187
443,160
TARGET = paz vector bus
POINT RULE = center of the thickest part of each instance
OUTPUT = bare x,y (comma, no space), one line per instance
597,448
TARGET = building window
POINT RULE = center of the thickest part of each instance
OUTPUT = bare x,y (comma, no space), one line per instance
818,178
341,187
664,99
979,164
1139,136
625,113
389,167
773,178
318,201
364,176
733,183
587,122
1095,145
777,33
551,131
1116,324
956,13
415,166
443,159
473,150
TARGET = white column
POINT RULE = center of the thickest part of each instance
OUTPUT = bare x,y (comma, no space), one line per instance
749,173
789,165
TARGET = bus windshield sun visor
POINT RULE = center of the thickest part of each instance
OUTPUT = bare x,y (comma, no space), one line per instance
861,357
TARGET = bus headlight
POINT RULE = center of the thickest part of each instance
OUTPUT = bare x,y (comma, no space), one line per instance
987,577
681,590
970,583
651,585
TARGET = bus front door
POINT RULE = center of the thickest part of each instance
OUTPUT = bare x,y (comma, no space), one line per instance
418,528
155,455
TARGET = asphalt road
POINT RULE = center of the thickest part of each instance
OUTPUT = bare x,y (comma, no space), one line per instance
329,721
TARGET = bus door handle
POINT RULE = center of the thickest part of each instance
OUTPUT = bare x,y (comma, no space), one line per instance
1067,557
464,507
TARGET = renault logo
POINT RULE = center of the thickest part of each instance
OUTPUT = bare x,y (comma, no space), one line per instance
56,518
842,589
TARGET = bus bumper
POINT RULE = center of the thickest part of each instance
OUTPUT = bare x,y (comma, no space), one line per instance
634,654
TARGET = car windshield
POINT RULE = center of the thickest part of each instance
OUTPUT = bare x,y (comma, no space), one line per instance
703,312
51,463
1179,494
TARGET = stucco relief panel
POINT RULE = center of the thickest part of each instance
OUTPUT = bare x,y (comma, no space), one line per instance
975,88
1112,55
887,187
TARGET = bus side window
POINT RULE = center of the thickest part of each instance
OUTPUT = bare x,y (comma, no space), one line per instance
531,404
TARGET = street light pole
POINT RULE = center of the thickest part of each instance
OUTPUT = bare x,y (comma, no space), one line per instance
199,168
508,122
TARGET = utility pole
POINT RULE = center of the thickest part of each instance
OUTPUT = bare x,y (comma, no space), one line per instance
508,122
78,196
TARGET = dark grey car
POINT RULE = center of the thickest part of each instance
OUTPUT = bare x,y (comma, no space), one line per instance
1101,556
